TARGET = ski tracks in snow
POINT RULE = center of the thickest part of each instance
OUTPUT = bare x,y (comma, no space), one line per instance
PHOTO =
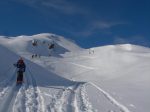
121,107
6,84
71,99
33,99
85,105
7,103
21,98
29,97
8,93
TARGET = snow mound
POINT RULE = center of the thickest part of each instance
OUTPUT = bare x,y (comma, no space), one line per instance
44,41
133,48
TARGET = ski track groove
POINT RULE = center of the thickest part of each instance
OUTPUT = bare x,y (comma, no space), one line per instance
34,100
70,103
121,107
6,85
67,100
8,104
85,105
9,93
3,92
19,103
59,104
55,103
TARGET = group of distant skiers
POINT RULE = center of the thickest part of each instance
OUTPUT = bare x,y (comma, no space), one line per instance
50,45
36,42
36,56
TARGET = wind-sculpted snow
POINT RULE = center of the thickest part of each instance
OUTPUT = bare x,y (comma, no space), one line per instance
112,78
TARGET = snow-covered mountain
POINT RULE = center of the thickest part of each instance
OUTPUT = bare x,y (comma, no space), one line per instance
67,78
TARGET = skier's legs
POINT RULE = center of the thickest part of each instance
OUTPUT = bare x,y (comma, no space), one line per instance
18,76
21,76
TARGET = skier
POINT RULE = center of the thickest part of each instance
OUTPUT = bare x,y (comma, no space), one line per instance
33,56
21,69
34,42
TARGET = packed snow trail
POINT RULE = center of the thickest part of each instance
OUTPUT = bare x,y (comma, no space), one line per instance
28,98
5,84
19,103
68,99
9,95
34,91
83,103
7,105
21,97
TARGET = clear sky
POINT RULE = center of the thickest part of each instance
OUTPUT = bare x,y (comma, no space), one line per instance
89,22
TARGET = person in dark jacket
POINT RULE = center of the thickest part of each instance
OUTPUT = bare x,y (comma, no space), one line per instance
21,69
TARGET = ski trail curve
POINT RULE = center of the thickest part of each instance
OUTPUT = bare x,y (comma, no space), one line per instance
111,99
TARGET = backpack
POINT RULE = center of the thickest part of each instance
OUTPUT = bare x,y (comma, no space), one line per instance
21,66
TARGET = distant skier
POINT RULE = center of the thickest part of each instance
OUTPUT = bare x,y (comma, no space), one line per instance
21,69
91,51
34,42
32,56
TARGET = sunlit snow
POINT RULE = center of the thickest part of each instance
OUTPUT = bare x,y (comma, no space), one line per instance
67,78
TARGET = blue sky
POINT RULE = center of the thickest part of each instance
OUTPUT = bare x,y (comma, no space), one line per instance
89,22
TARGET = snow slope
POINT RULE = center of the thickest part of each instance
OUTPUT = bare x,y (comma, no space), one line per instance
113,78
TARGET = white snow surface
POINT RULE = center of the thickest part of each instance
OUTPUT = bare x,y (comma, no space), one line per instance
113,78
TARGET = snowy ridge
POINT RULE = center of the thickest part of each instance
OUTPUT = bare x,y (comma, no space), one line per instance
23,44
